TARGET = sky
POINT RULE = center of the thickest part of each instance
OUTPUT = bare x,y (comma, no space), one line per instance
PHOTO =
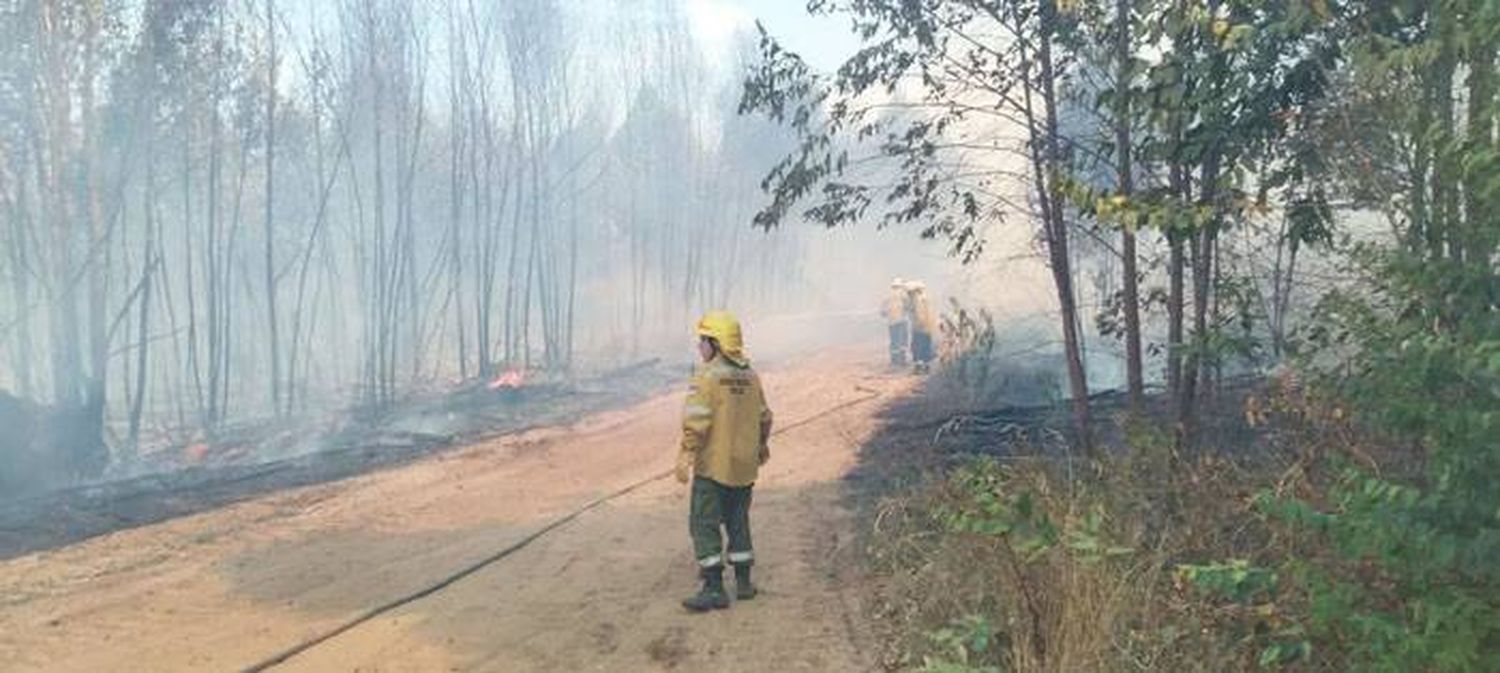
824,42
1009,278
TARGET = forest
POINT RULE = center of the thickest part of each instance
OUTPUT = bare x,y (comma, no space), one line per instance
1284,216
219,213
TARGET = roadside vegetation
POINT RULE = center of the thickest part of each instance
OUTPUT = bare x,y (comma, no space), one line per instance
1296,207
1343,519
1286,551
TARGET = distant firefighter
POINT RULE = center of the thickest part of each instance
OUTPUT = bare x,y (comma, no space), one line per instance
897,311
924,325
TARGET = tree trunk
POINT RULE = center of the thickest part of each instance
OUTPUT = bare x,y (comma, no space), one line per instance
456,143
1175,299
138,401
1444,237
1135,381
274,336
1045,162
97,252
1202,257
18,248
1481,120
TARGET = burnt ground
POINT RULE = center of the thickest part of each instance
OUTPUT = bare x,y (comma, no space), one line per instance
255,460
930,431
922,437
313,454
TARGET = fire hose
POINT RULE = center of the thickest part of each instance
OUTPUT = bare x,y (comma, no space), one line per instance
354,622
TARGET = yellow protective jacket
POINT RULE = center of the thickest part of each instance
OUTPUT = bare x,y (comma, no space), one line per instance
725,423
923,318
895,308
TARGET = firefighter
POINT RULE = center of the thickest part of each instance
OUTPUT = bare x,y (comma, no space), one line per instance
725,427
924,326
897,311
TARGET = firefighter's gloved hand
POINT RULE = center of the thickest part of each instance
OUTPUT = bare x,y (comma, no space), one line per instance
765,453
684,470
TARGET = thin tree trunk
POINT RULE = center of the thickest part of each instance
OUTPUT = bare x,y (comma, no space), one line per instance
143,349
1062,269
1282,273
98,251
204,405
326,182
1481,239
1444,235
572,301
456,143
274,336
1135,381
1203,252
18,248
1175,299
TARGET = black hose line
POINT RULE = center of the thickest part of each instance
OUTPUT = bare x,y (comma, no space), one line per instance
370,614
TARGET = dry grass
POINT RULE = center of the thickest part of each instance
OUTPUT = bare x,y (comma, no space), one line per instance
1059,609
1064,608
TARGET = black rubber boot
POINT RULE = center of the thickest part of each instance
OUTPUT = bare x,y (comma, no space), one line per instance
744,589
711,596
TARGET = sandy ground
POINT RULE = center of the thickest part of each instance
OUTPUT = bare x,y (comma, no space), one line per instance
225,589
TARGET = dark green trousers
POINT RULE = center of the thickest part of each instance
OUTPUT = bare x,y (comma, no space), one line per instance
716,506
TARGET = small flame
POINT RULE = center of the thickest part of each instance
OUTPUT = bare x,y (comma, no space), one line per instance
510,380
195,453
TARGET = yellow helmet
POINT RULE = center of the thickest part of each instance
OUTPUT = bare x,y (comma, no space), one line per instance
724,328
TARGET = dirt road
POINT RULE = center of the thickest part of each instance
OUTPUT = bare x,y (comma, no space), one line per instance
228,589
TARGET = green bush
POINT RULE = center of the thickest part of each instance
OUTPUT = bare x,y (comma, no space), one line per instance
963,641
1409,578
